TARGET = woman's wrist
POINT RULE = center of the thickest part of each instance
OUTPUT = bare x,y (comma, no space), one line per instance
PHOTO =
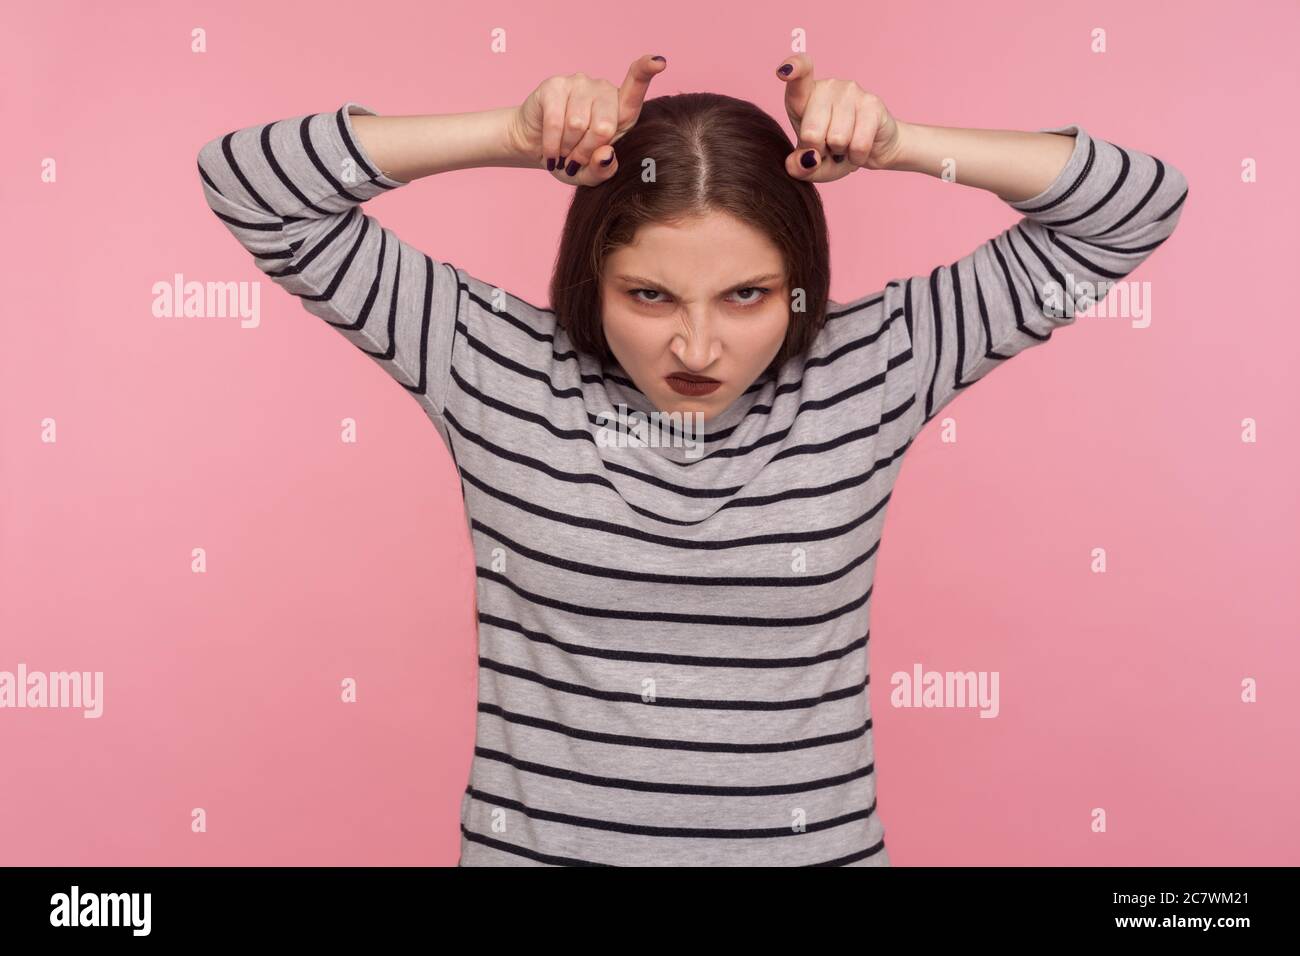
513,151
905,156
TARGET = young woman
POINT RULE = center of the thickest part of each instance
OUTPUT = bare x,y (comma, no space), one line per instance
673,611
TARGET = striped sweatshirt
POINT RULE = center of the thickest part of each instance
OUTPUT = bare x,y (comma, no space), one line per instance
673,636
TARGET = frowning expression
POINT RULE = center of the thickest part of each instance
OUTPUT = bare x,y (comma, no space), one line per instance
702,298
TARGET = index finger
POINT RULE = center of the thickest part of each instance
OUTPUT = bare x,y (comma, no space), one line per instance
635,86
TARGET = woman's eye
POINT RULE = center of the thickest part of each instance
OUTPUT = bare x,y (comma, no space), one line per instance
756,298
660,297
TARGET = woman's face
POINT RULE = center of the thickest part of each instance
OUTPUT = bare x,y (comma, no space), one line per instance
704,297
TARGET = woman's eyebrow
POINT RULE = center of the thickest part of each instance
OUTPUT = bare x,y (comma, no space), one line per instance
753,280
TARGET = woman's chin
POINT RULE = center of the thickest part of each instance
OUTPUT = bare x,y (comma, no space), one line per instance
687,405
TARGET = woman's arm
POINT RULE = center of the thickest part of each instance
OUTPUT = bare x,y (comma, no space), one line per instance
574,117
1092,212
407,148
1089,220
1012,165
291,193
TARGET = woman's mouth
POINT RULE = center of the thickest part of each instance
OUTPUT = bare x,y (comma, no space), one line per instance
694,385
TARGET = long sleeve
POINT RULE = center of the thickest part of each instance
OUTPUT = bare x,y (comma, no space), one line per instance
290,191
1107,210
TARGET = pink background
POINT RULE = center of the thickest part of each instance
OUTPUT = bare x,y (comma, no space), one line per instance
1119,690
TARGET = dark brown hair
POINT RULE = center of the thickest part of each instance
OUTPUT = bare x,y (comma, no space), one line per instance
712,153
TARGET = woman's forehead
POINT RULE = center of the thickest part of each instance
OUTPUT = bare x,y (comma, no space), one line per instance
716,245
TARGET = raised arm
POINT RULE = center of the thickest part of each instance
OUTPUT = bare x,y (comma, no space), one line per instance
290,191
1092,212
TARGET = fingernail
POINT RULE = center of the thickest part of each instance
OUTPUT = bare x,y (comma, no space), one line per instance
607,160
550,164
839,159
561,160
786,70
659,58
572,167
809,159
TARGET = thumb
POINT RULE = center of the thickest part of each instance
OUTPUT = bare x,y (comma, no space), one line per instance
797,164
603,166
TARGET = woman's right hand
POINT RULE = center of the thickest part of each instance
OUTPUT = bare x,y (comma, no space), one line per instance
569,123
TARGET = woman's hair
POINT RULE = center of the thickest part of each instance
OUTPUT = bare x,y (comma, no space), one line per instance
710,152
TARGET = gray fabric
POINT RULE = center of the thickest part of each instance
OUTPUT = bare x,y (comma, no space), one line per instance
736,585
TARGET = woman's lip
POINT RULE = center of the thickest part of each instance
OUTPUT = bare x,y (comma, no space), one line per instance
686,386
689,378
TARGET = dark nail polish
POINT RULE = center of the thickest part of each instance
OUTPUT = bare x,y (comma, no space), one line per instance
561,161
572,167
786,70
550,163
659,58
809,159
839,158
607,160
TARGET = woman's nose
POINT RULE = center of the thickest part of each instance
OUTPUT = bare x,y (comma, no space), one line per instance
697,346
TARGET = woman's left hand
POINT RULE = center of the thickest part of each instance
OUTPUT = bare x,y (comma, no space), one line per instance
835,118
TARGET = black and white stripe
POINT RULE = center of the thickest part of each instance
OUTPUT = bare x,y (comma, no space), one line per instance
673,651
